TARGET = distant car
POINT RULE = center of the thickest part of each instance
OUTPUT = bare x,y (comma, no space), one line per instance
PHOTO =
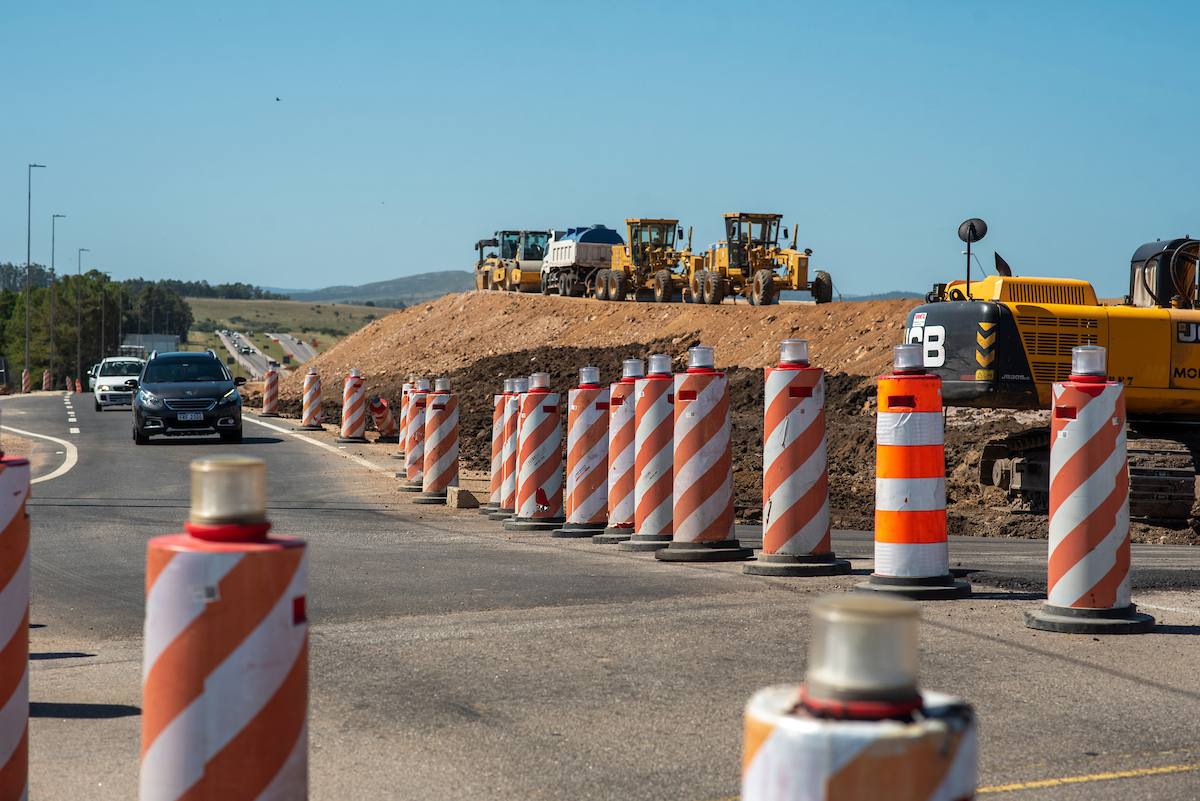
91,374
186,393
111,375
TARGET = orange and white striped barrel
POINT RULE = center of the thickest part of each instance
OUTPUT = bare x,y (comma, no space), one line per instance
311,415
1088,572
225,675
270,395
354,409
539,460
512,424
622,428
796,530
25,381
911,552
403,421
703,467
14,628
78,386
414,437
385,424
45,380
653,458
441,444
497,466
586,500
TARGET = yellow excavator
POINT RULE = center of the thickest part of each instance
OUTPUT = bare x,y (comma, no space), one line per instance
1001,342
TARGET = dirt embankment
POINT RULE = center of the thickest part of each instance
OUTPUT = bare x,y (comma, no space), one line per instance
477,339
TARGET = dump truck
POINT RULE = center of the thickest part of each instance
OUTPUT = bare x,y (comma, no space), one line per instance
750,262
517,266
648,265
574,259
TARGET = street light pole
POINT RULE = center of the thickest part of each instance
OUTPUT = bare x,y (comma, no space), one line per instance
79,315
53,220
28,212
103,304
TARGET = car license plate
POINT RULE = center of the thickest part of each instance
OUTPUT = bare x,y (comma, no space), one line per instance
186,417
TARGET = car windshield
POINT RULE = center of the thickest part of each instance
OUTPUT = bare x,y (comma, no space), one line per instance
121,368
161,372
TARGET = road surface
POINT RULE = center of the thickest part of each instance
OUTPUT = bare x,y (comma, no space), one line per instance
255,362
301,351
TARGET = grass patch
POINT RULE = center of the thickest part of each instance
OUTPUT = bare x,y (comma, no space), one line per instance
326,322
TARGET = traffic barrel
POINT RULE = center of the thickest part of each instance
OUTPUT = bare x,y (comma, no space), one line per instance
912,557
354,409
796,529
703,467
653,457
270,406
586,501
1088,571
14,627
311,415
225,674
859,727
621,435
414,438
78,386
508,479
403,422
441,444
539,460
25,381
45,380
385,424
497,467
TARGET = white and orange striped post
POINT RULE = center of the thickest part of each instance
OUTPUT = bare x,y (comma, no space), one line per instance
14,627
25,381
497,466
270,395
508,478
45,381
859,727
796,530
586,500
1088,571
441,444
354,409
621,448
539,460
310,419
414,437
403,422
703,467
653,458
912,556
78,386
225,677
385,424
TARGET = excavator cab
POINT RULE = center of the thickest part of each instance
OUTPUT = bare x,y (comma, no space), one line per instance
650,237
747,232
1163,274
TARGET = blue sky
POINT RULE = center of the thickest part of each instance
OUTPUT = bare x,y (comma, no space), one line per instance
405,132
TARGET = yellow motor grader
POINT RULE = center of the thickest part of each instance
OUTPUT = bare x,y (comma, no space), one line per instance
648,264
750,262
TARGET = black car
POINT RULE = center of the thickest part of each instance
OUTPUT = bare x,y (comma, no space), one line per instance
186,393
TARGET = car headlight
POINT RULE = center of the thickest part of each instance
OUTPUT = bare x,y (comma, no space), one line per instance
149,399
230,396
105,388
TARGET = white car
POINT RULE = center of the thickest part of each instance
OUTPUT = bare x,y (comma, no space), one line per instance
111,375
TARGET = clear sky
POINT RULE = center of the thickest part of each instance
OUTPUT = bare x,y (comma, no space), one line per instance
404,132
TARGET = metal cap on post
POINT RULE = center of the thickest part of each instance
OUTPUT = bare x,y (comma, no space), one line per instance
660,364
520,385
907,359
228,491
422,385
1089,361
633,369
589,376
509,383
793,351
701,357
441,385
539,382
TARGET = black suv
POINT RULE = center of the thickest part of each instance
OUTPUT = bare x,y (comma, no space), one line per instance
186,393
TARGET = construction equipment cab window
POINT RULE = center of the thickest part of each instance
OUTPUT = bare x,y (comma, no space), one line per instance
509,242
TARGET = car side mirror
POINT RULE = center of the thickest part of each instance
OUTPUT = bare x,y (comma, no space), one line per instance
239,381
132,383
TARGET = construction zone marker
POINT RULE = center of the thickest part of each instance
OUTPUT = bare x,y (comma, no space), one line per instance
653,457
586,498
440,471
270,407
14,627
512,422
385,423
354,409
621,449
539,460
414,438
310,419
496,477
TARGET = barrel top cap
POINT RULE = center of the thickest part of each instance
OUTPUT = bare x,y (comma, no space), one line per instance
1089,360
441,385
908,359
701,357
509,386
422,385
633,368
539,381
864,648
229,490
356,373
660,364
793,351
589,376
312,371
520,385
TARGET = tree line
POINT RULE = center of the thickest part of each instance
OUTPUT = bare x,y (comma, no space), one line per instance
85,307
236,291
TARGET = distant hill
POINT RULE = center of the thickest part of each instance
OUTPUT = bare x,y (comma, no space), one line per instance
899,295
408,290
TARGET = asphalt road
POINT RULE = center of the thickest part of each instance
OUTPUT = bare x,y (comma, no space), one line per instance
301,351
255,362
452,659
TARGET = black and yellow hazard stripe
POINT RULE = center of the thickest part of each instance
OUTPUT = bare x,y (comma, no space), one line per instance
985,351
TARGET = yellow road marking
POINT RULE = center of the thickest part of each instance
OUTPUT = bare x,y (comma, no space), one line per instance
1095,777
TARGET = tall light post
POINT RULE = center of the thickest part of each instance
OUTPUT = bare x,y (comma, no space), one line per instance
53,220
28,212
79,313
103,304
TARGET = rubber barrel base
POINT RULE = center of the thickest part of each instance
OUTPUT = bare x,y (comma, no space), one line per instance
577,530
721,551
488,508
317,427
613,535
645,542
399,455
430,498
268,414
919,588
1069,620
797,565
534,523
416,485
392,440
362,440
502,514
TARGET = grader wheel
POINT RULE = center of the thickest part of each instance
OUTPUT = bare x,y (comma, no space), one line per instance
763,292
714,288
602,284
662,287
697,286
618,285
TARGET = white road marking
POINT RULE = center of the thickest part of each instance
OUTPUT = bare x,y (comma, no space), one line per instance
1169,609
73,431
69,462
319,444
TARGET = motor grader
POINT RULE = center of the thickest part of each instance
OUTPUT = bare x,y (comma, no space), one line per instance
517,267
750,262
647,265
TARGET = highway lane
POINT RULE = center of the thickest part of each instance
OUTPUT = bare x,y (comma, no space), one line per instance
300,350
255,362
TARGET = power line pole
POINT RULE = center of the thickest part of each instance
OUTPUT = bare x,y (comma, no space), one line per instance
53,378
28,213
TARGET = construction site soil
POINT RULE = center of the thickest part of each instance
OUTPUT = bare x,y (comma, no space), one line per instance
476,339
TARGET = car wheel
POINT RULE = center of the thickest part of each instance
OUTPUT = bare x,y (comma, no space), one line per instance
99,408
139,438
